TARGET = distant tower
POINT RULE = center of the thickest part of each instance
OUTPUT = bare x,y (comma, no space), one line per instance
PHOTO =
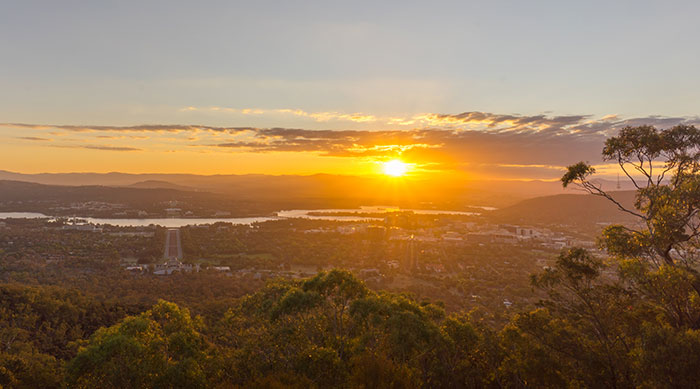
618,180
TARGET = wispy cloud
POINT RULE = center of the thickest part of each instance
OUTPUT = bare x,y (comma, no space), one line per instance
99,147
111,148
469,120
444,146
468,140
34,138
317,116
140,128
503,137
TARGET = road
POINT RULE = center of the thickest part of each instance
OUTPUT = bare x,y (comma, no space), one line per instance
173,247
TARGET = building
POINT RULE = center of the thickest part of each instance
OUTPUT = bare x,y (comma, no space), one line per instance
173,212
172,266
82,227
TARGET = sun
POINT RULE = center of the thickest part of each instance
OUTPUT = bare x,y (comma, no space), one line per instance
395,168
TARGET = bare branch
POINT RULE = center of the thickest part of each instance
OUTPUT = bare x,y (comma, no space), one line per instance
597,191
622,166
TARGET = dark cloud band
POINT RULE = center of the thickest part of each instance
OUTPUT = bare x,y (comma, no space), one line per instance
442,140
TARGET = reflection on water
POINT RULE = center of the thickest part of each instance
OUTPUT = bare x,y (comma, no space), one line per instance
293,213
366,211
165,222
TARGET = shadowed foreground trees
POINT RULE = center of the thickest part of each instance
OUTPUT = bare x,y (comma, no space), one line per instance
39,328
159,348
327,331
592,330
334,332
589,332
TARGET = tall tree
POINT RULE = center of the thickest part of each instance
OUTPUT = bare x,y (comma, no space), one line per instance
661,250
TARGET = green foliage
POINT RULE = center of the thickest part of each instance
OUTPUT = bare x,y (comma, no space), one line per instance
331,331
670,290
584,330
371,370
635,323
668,196
40,328
335,332
632,141
30,369
668,358
667,205
535,347
624,243
574,267
159,348
577,172
678,144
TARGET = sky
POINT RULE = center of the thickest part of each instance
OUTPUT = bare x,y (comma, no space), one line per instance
506,89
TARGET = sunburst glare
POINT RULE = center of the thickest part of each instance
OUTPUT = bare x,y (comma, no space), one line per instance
395,168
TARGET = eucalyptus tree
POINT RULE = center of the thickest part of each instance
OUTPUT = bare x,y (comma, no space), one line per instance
659,254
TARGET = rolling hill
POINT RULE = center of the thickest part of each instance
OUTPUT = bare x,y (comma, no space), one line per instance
568,209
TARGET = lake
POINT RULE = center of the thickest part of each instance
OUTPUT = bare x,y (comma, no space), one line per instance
165,222
304,213
286,214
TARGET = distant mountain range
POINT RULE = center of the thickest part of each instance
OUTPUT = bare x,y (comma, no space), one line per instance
319,188
29,191
107,201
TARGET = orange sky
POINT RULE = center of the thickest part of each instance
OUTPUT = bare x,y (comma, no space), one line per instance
470,144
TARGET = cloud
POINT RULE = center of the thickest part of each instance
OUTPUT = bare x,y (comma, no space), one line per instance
316,116
333,143
466,121
99,147
111,148
437,148
581,124
34,138
469,140
506,143
139,128
503,122
365,142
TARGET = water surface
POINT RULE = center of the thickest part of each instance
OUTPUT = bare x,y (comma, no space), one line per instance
285,214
